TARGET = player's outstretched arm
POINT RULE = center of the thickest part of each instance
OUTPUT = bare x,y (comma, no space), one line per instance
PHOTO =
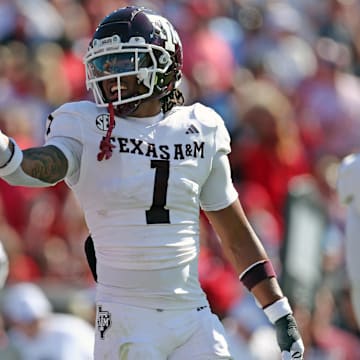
35,167
246,252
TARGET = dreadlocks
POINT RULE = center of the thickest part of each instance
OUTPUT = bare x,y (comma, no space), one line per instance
175,97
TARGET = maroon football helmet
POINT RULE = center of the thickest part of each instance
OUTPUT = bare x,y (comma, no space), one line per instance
133,41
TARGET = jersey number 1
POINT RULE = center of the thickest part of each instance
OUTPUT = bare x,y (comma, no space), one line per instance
157,214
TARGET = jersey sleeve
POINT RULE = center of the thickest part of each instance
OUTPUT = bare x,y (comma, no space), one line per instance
348,181
72,149
218,192
222,139
64,131
64,121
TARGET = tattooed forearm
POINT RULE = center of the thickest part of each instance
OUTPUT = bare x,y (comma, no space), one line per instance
46,163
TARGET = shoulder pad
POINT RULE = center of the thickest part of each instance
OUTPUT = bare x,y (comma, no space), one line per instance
79,107
210,118
206,115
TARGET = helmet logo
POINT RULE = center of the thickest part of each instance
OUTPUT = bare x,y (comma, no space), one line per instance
166,31
102,122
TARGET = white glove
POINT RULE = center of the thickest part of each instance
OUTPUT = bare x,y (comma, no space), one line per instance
287,333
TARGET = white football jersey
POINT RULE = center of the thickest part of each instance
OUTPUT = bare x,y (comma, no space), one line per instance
142,205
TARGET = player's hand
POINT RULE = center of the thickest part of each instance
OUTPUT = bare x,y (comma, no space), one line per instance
289,339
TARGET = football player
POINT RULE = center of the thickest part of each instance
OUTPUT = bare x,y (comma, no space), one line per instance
348,191
141,164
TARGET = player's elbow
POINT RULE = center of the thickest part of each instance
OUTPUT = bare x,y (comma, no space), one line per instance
20,178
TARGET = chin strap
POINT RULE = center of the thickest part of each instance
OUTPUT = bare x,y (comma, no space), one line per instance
127,109
105,144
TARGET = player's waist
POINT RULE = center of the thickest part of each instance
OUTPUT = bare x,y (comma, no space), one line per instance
146,256
157,240
177,279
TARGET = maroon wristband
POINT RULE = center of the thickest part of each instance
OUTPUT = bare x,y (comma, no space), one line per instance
257,273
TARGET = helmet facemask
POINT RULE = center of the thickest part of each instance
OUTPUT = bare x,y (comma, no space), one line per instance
109,59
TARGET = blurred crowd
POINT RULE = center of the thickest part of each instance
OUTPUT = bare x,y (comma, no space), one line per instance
285,77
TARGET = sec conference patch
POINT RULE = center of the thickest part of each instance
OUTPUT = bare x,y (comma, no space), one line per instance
102,122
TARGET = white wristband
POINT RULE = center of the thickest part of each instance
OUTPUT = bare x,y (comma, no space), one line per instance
13,162
278,309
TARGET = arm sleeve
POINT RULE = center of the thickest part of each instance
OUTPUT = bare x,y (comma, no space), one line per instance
218,192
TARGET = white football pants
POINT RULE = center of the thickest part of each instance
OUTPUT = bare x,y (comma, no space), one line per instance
131,333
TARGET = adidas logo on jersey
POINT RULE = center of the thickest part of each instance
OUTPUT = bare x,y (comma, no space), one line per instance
192,130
